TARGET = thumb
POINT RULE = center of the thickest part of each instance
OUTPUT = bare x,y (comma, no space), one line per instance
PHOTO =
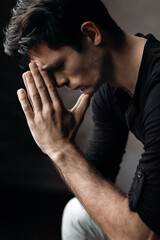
81,107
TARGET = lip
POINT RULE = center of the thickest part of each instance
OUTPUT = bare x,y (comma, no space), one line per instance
70,89
82,89
76,88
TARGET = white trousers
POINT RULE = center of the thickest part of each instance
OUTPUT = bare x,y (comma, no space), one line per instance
77,225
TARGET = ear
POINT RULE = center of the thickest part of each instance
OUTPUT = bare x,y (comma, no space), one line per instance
92,32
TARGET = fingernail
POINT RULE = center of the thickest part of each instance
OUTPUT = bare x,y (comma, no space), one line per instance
20,92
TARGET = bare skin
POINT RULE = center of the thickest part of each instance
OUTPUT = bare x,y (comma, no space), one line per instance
53,126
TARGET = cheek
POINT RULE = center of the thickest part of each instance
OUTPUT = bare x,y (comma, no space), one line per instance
75,72
82,71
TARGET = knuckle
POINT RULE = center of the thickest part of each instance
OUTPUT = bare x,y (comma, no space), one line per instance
57,106
42,88
36,72
48,110
35,96
50,87
26,108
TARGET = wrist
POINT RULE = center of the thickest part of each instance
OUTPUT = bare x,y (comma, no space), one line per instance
61,152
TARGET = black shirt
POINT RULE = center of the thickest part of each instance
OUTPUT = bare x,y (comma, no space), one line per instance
114,114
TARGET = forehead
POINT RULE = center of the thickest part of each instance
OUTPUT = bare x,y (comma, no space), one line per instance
43,55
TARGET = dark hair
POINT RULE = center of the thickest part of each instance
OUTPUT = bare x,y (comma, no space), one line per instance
57,22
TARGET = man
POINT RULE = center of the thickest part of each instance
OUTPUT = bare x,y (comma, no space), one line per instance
75,43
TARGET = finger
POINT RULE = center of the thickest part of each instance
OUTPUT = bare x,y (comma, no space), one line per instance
77,103
25,105
51,86
33,92
40,84
81,107
26,85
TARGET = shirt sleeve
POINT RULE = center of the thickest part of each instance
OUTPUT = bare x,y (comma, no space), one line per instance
144,195
109,136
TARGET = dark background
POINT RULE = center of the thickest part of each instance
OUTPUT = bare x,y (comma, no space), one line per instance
32,195
31,192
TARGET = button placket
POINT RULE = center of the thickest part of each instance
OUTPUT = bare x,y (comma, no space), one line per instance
139,174
136,188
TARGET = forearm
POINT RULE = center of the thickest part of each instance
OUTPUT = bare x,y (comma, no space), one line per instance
107,206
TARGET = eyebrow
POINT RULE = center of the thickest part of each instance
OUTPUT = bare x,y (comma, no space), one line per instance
52,65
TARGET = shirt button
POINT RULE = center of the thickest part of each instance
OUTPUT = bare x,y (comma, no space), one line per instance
139,174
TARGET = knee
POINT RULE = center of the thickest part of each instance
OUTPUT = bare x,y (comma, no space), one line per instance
76,223
74,215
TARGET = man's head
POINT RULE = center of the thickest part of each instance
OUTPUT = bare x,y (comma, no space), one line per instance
56,22
62,26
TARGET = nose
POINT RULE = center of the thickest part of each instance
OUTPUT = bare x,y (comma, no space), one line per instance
62,81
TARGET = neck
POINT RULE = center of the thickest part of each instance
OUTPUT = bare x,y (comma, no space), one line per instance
125,63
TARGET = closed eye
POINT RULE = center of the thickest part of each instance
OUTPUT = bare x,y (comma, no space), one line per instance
59,67
54,67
